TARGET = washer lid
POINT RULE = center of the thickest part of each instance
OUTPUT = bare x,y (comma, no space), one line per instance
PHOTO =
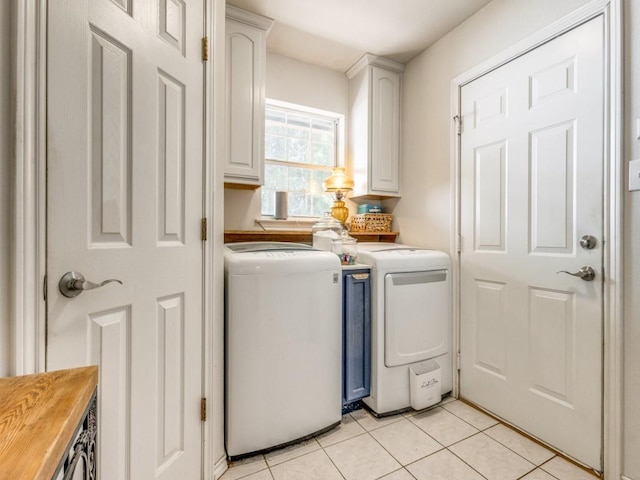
265,246
280,261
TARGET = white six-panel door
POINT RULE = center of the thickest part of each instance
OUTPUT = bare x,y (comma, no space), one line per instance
124,153
531,186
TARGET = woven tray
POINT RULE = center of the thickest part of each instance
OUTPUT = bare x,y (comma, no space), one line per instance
371,222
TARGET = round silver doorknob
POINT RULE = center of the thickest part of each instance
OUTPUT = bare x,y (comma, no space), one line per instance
73,284
588,242
585,273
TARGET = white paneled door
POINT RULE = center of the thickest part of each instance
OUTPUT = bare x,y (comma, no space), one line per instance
532,157
125,195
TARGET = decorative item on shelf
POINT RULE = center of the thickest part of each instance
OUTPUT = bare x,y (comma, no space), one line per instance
324,231
282,206
369,208
339,184
346,248
371,222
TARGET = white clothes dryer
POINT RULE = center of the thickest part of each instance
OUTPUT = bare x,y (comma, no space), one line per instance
411,320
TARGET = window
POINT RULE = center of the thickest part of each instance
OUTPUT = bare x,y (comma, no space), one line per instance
300,151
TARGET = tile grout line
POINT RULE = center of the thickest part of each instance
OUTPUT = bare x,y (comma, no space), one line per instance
550,474
417,460
512,451
342,441
403,416
270,472
535,467
457,441
499,422
368,432
329,456
404,467
462,459
557,453
469,423
331,459
391,473
483,431
439,450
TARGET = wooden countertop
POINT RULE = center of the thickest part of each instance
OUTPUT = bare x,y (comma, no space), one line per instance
39,415
233,236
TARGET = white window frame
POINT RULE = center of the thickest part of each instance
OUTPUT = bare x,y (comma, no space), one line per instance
339,120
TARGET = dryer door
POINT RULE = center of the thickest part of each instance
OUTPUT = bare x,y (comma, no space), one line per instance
417,316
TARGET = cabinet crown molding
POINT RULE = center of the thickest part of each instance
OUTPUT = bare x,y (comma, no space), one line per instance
370,59
250,18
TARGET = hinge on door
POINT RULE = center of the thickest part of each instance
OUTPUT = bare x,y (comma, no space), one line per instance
459,243
44,288
458,361
458,121
203,229
203,409
205,49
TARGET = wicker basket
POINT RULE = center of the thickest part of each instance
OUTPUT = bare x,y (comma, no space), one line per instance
371,222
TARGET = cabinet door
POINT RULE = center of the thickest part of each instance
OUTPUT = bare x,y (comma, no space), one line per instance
385,131
245,70
357,336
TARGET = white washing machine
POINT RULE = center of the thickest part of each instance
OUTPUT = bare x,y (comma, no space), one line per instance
283,344
411,320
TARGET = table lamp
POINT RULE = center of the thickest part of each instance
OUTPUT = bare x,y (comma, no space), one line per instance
339,184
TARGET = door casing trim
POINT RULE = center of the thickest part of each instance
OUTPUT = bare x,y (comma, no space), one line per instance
613,206
28,309
215,459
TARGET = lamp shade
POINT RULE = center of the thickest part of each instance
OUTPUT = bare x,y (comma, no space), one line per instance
338,181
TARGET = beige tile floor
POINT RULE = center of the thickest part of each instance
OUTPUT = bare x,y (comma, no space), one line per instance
450,442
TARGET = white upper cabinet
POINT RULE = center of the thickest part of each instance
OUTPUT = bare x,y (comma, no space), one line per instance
375,85
245,97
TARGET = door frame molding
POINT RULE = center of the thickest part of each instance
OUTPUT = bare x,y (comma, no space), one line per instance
28,309
613,206
214,457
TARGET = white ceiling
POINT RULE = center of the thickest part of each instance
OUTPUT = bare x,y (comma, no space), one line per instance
336,33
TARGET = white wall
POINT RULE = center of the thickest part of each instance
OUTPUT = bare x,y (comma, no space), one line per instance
423,214
631,460
5,185
292,81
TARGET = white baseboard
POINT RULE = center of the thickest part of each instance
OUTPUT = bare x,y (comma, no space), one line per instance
622,477
221,466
